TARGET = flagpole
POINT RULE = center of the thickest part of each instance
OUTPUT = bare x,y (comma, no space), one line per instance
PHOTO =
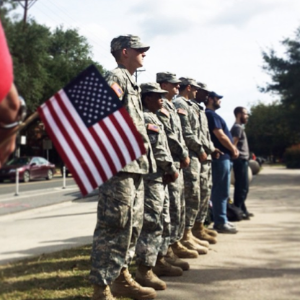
20,127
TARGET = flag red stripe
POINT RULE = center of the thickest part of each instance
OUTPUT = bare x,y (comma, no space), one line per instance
124,136
113,142
103,149
84,141
71,142
61,151
133,129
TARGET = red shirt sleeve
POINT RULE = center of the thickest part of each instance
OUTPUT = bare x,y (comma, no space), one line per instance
6,68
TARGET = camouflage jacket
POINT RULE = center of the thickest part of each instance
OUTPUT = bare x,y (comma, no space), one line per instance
190,125
172,126
129,93
205,135
159,144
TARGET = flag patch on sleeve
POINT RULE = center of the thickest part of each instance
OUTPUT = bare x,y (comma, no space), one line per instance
153,127
165,112
182,111
117,89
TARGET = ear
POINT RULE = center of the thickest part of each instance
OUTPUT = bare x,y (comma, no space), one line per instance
125,52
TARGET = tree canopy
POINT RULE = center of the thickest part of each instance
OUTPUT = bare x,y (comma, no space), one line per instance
44,60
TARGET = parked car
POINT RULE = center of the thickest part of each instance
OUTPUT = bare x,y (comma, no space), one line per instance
29,168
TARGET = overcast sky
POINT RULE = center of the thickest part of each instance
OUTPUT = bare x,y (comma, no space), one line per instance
216,42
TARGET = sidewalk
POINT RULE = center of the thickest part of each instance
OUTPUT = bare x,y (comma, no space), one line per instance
261,262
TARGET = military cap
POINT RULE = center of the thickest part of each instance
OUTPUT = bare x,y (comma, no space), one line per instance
189,81
152,87
127,41
213,95
203,86
166,77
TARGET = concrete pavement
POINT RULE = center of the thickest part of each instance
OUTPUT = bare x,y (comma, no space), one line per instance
261,262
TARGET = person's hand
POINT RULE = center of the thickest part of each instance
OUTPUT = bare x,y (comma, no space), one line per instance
185,162
167,178
217,153
235,154
9,113
202,157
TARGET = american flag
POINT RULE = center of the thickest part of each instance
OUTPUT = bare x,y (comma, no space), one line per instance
91,130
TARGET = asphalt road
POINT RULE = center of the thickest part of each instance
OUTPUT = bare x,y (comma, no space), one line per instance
8,187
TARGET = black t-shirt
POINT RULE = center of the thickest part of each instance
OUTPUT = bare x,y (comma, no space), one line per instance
217,122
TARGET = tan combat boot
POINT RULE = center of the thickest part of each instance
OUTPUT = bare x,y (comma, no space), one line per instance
145,277
189,242
163,268
125,286
102,293
200,233
211,232
175,261
182,251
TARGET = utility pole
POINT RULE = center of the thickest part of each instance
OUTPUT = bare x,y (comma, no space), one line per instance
136,74
26,5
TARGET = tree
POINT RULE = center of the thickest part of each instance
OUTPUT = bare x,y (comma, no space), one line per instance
285,75
268,130
44,61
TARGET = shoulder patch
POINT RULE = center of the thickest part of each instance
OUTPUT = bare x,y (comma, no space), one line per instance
165,112
182,111
117,89
153,127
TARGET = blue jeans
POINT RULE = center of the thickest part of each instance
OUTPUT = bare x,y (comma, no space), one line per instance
241,184
220,189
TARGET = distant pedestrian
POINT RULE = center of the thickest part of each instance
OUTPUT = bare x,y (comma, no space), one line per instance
222,140
240,165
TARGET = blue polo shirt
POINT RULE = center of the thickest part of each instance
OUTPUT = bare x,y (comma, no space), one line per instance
217,122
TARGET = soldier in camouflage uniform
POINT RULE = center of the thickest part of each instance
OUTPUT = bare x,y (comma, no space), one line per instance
121,199
172,126
192,135
199,230
150,240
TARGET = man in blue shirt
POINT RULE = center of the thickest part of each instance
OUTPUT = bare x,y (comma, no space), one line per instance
222,140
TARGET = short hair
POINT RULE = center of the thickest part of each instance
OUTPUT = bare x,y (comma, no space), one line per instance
117,54
238,110
182,87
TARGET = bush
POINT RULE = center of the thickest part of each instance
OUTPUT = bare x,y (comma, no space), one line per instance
292,157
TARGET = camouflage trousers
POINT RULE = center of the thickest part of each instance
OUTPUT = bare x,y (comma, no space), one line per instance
192,195
205,186
177,208
119,222
150,240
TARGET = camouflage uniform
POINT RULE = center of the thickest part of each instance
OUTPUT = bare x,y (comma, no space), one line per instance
121,198
172,126
205,172
192,135
155,208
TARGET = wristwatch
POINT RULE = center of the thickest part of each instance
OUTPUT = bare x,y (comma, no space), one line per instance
21,115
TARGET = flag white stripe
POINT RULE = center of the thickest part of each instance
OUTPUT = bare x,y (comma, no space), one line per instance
128,132
110,149
119,140
81,148
95,147
66,148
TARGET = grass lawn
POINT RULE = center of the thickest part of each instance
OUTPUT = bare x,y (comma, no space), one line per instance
59,275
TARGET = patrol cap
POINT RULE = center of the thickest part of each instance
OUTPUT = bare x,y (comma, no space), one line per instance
189,81
127,41
213,95
152,87
203,86
167,77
